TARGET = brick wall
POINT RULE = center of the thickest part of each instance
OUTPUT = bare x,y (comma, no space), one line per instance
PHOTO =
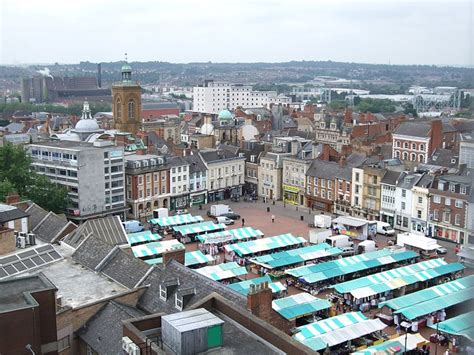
7,241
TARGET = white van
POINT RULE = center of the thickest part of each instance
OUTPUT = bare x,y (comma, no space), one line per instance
133,226
224,220
385,228
340,241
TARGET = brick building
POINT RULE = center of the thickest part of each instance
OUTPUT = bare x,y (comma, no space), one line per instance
449,200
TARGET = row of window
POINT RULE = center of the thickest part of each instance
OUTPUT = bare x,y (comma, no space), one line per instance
218,171
452,187
414,146
447,201
447,217
47,155
413,156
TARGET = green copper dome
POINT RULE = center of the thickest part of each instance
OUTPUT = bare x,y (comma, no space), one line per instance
126,68
225,115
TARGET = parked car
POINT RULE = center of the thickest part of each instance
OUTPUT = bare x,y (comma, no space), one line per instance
224,220
348,251
441,251
232,215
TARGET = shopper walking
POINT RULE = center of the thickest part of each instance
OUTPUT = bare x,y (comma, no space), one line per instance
273,218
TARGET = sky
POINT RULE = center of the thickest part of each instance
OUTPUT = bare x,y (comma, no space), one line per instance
183,31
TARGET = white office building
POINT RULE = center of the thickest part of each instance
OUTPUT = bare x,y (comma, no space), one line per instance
215,96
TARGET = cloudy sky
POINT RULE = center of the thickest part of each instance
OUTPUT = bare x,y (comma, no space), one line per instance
377,31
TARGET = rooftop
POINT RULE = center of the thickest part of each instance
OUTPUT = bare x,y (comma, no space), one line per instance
10,213
414,129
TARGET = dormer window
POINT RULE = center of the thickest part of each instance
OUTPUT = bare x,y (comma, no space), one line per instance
452,187
163,295
463,189
178,302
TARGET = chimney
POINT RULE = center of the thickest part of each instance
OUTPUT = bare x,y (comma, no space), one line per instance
12,198
436,136
99,75
177,255
294,147
348,116
259,301
325,155
342,161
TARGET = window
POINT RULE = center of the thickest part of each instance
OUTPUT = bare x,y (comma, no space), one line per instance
178,302
316,181
140,180
163,293
118,107
357,177
422,147
420,199
413,146
405,145
403,206
413,157
418,213
398,144
148,178
421,158
63,343
131,110
458,203
437,199
340,185
457,219
404,193
397,154
329,195
446,216
452,187
462,190
435,215
447,201
405,222
405,156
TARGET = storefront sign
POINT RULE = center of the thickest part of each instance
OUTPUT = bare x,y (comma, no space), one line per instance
291,189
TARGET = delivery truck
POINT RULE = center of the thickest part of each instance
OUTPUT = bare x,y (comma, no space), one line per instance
219,210
340,241
319,235
322,221
160,213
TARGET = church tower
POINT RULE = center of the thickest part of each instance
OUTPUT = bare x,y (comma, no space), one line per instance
126,103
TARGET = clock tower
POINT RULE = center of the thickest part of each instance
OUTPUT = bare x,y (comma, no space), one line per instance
126,103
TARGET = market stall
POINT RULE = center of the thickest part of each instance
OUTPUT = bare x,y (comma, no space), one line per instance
226,272
299,306
211,243
356,228
243,287
155,249
142,238
395,345
191,259
165,223
189,233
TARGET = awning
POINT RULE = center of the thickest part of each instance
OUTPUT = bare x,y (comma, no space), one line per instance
190,259
243,287
337,330
156,248
142,237
178,220
462,325
350,221
299,305
230,235
296,256
198,228
429,293
222,271
264,244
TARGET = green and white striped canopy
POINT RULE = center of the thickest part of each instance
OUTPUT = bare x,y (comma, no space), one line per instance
142,237
178,220
190,259
222,271
299,305
156,248
197,228
243,287
460,325
230,235
264,244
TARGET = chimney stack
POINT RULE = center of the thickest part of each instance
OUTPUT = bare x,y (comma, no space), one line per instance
342,161
177,255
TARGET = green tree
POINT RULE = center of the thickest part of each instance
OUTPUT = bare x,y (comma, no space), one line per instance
337,104
16,175
5,188
375,105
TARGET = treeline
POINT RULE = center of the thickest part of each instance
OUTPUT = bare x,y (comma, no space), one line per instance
74,109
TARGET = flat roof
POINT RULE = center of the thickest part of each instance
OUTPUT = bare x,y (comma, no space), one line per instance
194,319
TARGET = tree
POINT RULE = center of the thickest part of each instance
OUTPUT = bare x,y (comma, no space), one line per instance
375,105
16,175
6,187
408,109
337,104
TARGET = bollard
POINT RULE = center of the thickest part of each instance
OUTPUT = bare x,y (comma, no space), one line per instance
302,218
268,209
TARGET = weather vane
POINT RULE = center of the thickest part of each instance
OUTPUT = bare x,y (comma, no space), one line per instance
126,58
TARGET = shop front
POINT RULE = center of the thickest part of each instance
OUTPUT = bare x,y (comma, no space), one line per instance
197,199
179,202
214,196
418,225
444,232
319,204
291,195
387,217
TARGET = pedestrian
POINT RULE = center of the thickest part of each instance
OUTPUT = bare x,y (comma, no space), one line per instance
243,222
273,218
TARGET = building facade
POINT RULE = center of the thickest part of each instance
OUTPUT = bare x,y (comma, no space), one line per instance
93,173
367,192
225,173
147,184
215,96
420,204
450,197
179,183
197,180
270,172
294,180
404,200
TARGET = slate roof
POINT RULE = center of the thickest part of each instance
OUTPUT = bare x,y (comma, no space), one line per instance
329,170
195,163
37,214
214,155
108,229
125,268
91,252
414,129
103,332
188,278
408,181
425,181
443,157
391,177
176,161
10,213
13,127
49,229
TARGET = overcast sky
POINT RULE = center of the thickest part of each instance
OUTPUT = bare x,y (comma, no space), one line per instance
377,31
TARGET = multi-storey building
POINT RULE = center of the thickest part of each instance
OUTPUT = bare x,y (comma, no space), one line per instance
466,150
388,186
415,142
404,199
179,182
197,180
270,175
215,96
450,198
147,184
366,191
420,204
168,129
225,173
93,173
294,179
328,182
331,130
